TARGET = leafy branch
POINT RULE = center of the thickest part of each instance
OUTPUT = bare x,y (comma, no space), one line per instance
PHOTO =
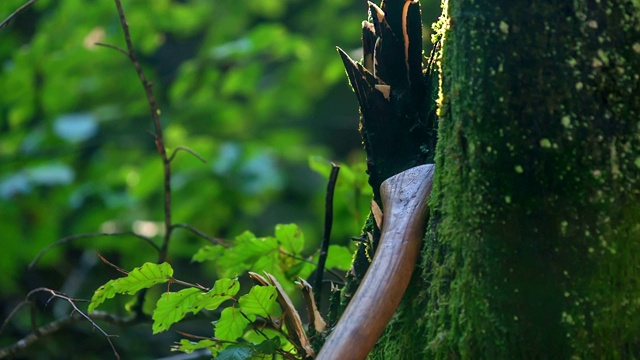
260,304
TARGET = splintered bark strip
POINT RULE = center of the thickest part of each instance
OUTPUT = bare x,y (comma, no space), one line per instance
291,317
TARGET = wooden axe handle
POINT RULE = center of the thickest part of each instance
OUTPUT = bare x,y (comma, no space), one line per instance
404,200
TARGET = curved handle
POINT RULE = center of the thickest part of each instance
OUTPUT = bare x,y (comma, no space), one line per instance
404,198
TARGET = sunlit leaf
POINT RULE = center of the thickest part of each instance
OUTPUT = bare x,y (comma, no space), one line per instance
143,277
290,237
269,263
104,292
139,278
261,301
339,257
231,324
247,249
172,307
188,346
208,253
223,289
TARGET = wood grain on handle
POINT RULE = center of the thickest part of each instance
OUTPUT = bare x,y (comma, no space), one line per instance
404,200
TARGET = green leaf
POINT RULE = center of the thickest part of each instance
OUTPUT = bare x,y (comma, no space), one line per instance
223,289
188,347
143,277
255,337
245,252
269,346
270,263
261,301
301,269
290,237
208,253
104,292
172,307
236,352
231,324
339,257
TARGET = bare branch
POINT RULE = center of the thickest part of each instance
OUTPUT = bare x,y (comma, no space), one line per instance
22,8
189,150
211,239
118,268
158,136
60,324
90,235
116,48
13,313
326,236
188,284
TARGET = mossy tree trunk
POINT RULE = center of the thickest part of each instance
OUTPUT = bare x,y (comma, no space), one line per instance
533,247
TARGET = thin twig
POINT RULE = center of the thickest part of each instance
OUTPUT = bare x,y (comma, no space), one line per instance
13,313
211,239
116,48
118,268
326,236
158,136
32,338
189,150
90,235
60,324
22,8
188,284
197,337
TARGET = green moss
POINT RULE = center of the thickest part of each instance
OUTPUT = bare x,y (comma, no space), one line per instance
533,242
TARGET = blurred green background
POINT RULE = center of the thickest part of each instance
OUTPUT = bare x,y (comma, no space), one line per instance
255,87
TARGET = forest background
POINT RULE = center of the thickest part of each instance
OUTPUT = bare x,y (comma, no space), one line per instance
255,88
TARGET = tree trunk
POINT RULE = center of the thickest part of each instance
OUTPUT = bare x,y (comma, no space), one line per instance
533,247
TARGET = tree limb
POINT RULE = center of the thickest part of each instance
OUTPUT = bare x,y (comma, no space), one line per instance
22,8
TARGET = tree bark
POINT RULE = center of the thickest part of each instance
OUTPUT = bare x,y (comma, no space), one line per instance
533,247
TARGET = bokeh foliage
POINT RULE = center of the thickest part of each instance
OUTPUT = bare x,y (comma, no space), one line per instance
254,87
